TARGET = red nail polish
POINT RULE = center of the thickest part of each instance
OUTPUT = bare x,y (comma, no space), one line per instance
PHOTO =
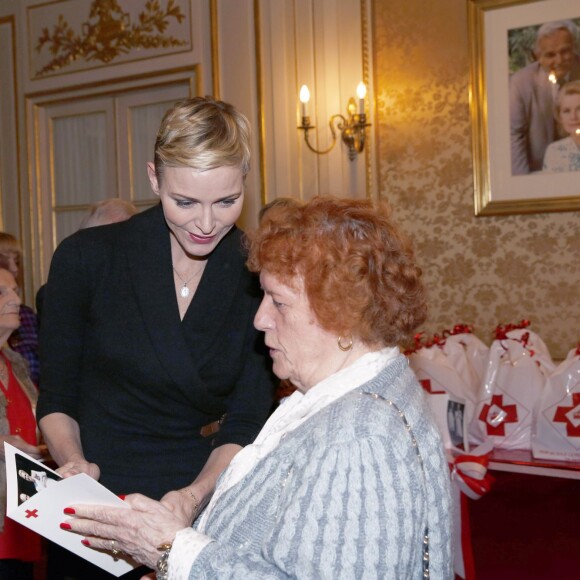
70,511
85,542
122,496
65,526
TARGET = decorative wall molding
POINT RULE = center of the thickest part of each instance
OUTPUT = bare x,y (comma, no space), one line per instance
70,36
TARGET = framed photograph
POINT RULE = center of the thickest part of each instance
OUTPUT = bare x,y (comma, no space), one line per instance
525,71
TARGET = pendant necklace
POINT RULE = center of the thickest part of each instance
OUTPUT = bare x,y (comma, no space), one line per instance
184,289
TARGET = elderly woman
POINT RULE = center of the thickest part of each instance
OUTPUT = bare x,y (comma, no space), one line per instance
348,478
19,547
24,340
153,376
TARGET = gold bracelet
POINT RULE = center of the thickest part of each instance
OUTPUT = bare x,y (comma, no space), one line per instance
162,566
196,503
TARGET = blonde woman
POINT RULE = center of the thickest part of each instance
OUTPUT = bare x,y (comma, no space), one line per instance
153,375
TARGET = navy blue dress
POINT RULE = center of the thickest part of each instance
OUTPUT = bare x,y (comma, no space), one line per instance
141,382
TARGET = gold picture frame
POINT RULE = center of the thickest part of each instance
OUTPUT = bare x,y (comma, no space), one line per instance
496,190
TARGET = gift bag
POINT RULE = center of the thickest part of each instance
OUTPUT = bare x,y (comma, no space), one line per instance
445,368
517,368
556,433
468,356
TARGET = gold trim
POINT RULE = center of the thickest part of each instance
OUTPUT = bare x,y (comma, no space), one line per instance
483,203
375,120
125,79
34,159
479,142
366,74
215,57
104,38
543,205
49,122
10,20
70,208
116,132
261,111
129,137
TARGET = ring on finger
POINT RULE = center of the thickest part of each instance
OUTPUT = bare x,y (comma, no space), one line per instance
114,550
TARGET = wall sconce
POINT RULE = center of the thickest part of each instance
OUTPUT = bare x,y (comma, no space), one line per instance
352,128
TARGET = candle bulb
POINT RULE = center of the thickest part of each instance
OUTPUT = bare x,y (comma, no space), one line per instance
361,92
304,98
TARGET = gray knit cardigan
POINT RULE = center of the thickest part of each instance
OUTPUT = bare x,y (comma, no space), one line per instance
342,496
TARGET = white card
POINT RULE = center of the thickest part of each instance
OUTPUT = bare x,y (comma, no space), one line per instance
37,497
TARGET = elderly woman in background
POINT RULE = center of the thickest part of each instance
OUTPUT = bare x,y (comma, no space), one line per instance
108,211
348,477
19,547
24,340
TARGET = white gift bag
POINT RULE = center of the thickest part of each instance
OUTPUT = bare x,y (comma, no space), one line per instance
556,433
450,365
517,368
468,356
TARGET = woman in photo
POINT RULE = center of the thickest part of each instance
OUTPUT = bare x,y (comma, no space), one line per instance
564,155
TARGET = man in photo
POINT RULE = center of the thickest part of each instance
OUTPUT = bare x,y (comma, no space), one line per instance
533,91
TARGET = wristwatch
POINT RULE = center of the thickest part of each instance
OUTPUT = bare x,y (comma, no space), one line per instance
162,566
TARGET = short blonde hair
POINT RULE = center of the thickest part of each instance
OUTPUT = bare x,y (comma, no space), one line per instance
203,133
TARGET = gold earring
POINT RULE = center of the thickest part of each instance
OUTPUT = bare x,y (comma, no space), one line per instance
344,347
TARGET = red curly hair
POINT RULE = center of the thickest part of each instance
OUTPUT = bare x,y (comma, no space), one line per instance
359,272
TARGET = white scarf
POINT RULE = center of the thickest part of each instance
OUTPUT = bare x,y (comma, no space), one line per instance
296,409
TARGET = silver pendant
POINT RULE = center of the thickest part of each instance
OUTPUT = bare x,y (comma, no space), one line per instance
184,291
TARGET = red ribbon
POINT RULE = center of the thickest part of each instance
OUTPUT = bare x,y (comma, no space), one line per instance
459,329
470,473
502,329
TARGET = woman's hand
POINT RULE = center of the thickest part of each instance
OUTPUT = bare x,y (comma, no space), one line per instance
79,466
137,531
184,503
17,441
63,437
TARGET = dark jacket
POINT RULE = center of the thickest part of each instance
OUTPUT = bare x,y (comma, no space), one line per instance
141,383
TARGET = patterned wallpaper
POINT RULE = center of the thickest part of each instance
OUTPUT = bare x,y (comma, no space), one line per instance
481,271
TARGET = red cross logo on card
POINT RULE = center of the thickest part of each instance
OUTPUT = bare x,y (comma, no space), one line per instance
570,416
426,384
31,513
495,415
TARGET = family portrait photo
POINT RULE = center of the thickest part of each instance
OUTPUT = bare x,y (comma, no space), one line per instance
525,105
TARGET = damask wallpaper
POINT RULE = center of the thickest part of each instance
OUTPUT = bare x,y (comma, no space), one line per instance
481,271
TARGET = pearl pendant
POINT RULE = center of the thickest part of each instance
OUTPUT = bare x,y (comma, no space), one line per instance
184,291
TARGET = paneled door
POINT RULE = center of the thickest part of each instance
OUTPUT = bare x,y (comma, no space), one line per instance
94,147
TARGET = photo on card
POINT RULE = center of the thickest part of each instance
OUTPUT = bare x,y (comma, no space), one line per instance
456,424
32,478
